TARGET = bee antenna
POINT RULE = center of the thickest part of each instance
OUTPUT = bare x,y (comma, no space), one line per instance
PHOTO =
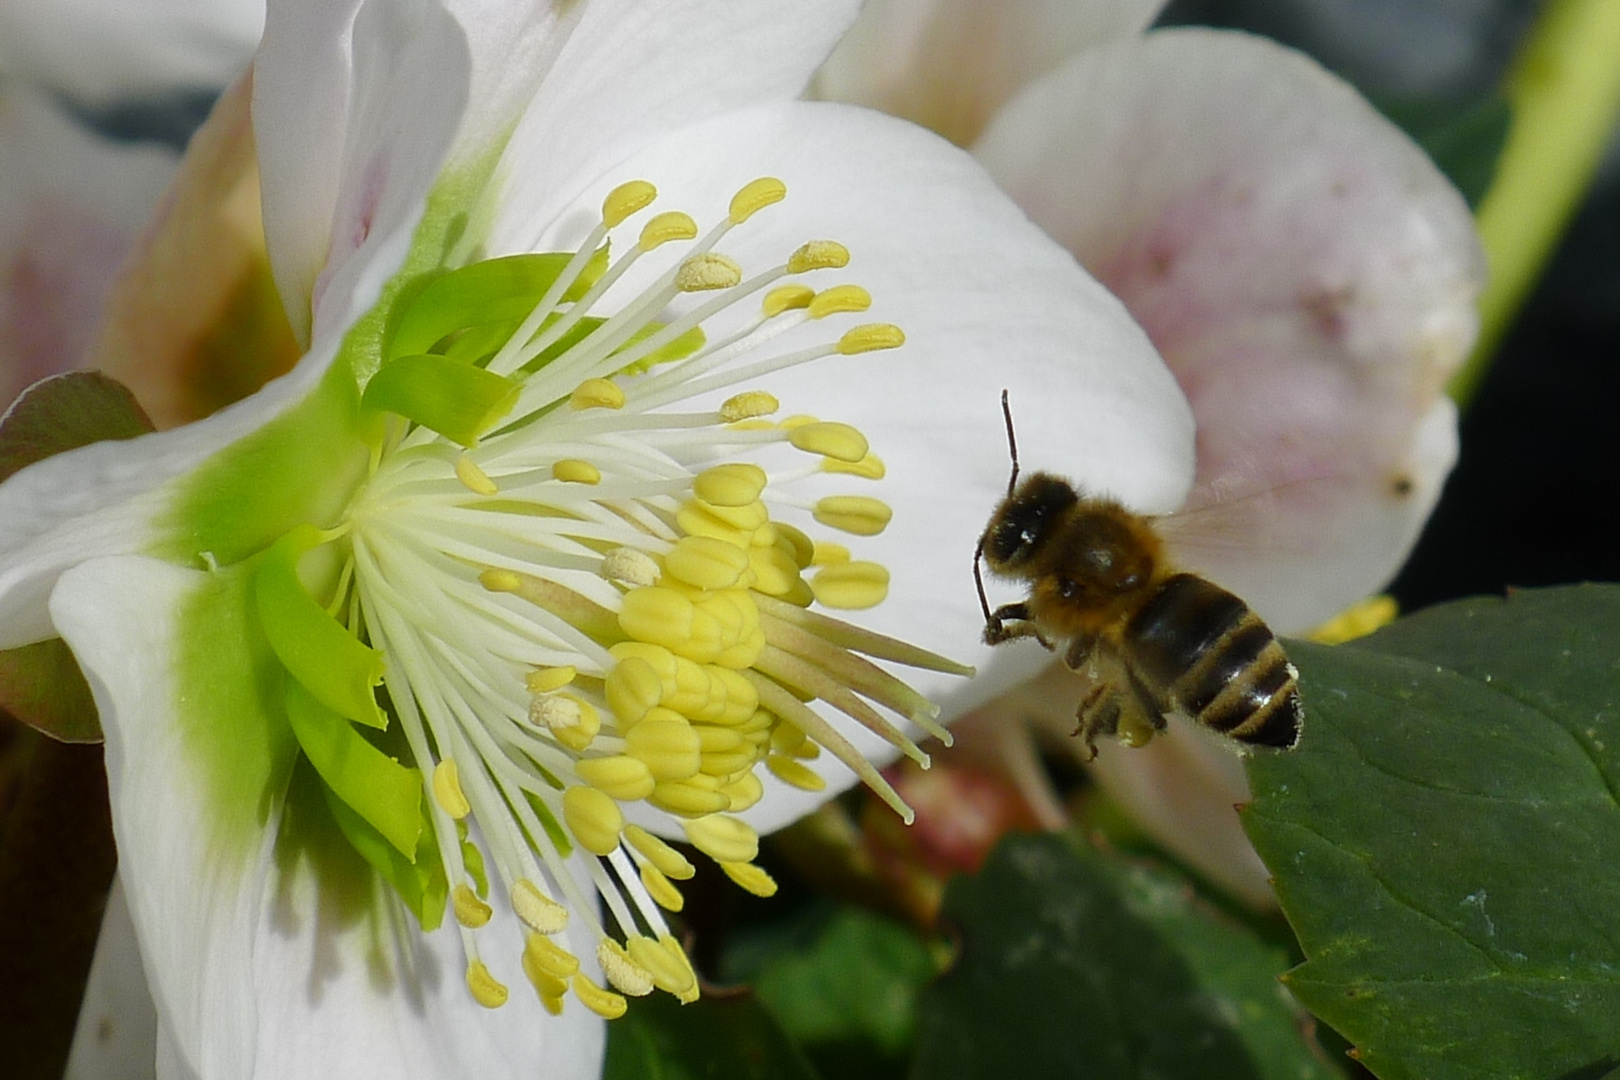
978,581
1012,443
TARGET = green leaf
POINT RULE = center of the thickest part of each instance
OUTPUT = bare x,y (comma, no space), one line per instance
849,994
1446,838
726,1038
41,685
1074,966
1463,138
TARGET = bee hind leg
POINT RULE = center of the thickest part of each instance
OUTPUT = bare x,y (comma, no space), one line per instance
1010,621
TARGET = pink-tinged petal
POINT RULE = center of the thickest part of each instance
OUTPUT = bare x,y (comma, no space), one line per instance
71,206
97,52
986,301
950,64
1306,272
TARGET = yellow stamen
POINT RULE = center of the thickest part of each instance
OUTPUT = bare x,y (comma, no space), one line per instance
471,912
655,851
621,972
669,226
744,792
546,679
707,563
724,839
751,877
706,272
627,566
786,298
572,721
538,911
593,818
678,954
791,772
619,776
473,478
851,585
447,789
661,889
818,255
544,982
871,337
626,199
857,514
870,467
1357,620
486,990
604,1003
596,394
755,196
730,485
665,742
840,300
574,471
692,798
829,553
747,405
550,957
833,440
668,973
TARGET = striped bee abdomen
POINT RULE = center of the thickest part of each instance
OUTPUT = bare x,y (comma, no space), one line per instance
1214,661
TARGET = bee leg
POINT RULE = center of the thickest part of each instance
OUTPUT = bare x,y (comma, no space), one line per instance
1078,655
1097,714
998,629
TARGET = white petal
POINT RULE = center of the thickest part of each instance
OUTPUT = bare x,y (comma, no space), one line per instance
116,1036
950,64
987,303
97,52
71,206
1305,270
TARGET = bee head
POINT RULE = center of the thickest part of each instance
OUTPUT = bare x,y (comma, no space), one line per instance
1025,520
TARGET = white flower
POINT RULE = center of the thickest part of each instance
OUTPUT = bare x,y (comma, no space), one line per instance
575,553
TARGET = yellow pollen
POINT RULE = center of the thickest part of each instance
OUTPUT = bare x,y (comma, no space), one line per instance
706,562
546,679
575,471
786,298
668,226
572,721
471,912
473,478
550,957
818,255
604,1003
538,911
706,272
833,440
625,200
851,586
724,839
671,862
668,974
792,772
661,889
666,743
619,776
840,300
447,789
750,877
593,818
747,405
856,514
598,394
486,990
829,553
627,566
870,337
755,196
870,467
621,972
730,485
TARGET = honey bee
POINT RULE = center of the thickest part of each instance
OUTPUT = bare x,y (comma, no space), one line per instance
1155,641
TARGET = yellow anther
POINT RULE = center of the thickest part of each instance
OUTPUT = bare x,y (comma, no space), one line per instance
692,798
552,1004
604,1003
593,818
668,973
871,337
665,741
746,517
1358,620
500,580
800,546
755,196
627,566
695,520
632,687
747,405
870,467
797,420
730,485
857,514
597,394
572,721
658,853
786,298
486,989
575,471
625,200
851,586
661,889
538,911
718,627
829,553
473,478
678,954
818,255
751,877
471,912
840,300
623,777
786,738
706,562
546,679
547,985
723,839
775,570
744,792
447,789
550,957
621,972
711,270
795,773
670,225
831,439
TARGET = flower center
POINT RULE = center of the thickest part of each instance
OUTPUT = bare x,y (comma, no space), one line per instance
589,612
